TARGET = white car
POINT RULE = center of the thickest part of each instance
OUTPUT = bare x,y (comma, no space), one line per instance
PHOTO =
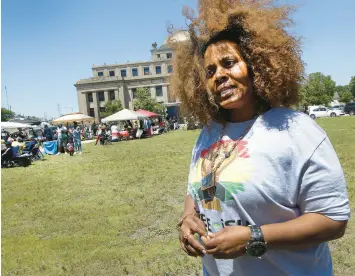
326,112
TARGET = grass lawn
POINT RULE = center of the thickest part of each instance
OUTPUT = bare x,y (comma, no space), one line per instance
113,210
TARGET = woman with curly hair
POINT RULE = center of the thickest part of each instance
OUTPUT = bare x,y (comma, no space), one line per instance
266,191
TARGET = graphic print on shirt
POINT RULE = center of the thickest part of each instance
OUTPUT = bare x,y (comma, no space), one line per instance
230,176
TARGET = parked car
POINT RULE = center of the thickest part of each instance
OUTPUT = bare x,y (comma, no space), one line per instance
336,111
350,108
311,108
325,112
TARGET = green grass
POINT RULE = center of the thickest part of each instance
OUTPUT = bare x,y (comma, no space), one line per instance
113,210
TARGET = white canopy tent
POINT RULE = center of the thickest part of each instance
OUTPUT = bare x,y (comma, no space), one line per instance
13,127
73,117
124,115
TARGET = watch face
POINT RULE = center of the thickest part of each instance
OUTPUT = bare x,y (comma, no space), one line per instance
256,249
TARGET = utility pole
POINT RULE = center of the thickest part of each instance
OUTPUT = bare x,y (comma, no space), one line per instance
7,99
58,108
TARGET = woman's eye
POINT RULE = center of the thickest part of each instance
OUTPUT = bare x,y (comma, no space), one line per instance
230,63
209,73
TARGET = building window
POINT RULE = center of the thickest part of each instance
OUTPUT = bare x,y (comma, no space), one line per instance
100,74
101,96
90,99
134,93
158,70
112,73
169,55
170,68
146,70
102,109
158,55
123,73
92,112
159,91
134,72
112,95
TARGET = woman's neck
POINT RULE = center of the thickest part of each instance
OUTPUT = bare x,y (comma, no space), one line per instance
246,113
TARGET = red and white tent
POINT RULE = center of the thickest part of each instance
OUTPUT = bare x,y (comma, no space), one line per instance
147,113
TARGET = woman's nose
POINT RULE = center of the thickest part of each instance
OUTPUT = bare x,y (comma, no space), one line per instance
220,76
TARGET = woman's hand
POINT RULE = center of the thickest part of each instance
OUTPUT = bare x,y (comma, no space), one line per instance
228,243
191,225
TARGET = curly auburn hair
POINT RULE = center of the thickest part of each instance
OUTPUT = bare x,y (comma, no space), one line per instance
273,56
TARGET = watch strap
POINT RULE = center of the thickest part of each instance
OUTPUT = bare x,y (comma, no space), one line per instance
256,234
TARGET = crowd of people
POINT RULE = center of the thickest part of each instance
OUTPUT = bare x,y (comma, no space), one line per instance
69,139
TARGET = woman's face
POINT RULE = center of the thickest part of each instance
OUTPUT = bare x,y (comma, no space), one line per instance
227,75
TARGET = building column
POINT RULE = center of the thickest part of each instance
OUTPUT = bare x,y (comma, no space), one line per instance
140,71
83,102
153,92
106,96
130,100
165,94
96,106
117,95
121,96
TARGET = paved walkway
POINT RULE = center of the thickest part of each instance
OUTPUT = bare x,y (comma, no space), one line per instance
88,141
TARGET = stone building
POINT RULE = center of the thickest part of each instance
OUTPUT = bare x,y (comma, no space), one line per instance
120,81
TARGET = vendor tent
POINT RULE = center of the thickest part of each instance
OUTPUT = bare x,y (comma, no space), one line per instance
73,117
13,127
124,115
147,113
25,121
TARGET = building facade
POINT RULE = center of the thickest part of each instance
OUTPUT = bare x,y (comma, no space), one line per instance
120,81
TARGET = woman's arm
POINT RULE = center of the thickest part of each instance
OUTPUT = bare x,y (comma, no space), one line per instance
189,205
305,231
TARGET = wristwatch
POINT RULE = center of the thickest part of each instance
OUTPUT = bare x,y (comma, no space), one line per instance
256,246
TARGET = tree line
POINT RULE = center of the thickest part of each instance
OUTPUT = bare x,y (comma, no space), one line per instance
319,89
7,114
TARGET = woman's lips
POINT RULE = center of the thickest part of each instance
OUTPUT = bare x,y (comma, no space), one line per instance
228,92
229,95
231,99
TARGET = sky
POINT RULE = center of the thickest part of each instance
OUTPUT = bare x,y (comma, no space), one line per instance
46,46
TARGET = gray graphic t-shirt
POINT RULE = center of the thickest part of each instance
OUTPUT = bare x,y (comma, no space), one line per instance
284,167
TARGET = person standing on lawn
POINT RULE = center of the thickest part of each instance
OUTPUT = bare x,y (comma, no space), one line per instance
64,138
94,129
59,139
77,141
266,190
48,133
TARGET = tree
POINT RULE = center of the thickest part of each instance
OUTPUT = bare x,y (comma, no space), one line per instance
341,89
6,114
319,89
111,108
352,86
144,101
346,97
344,93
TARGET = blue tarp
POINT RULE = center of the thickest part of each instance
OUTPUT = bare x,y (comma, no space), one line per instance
15,151
50,147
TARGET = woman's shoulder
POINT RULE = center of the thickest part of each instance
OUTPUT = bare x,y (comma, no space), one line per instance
288,119
296,125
